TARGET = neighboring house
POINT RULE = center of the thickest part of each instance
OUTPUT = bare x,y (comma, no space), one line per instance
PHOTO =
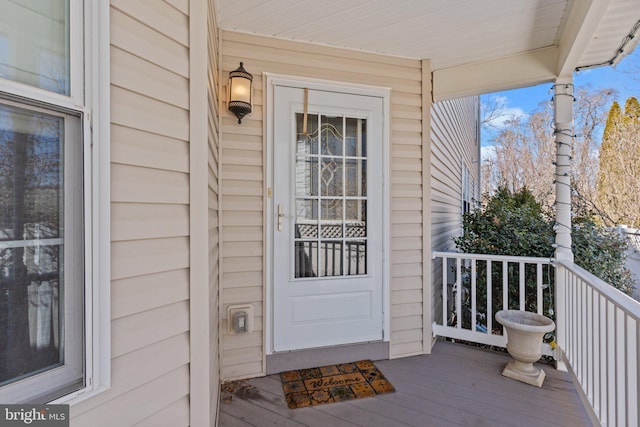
192,249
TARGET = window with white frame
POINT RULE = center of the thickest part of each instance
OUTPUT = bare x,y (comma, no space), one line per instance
43,249
468,189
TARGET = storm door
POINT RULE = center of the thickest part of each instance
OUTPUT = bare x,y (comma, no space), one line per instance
327,194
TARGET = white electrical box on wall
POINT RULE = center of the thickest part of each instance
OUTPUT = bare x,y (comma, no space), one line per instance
239,319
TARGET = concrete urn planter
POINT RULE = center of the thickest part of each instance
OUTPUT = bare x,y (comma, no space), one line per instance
525,331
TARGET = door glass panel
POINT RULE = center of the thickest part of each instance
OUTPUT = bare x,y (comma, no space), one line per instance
332,135
306,259
331,258
34,43
306,176
332,210
307,211
356,177
331,172
306,219
331,204
356,138
356,253
355,215
307,143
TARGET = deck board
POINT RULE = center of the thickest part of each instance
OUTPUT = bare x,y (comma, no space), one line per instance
479,388
456,385
231,421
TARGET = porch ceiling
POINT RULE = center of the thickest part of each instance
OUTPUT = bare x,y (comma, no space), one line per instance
620,16
474,46
448,32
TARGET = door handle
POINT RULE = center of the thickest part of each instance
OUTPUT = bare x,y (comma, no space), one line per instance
280,216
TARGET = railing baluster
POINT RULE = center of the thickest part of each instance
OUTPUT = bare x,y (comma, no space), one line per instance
604,361
539,290
584,309
620,364
473,295
582,335
611,369
590,349
632,373
595,395
521,282
459,293
637,387
584,301
568,305
489,299
558,295
578,313
505,285
445,290
576,330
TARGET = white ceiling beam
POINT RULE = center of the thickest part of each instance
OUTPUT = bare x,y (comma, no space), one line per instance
584,17
512,72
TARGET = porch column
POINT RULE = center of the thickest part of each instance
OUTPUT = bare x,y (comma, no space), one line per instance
563,119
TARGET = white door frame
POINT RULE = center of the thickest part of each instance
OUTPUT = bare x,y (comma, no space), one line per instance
271,80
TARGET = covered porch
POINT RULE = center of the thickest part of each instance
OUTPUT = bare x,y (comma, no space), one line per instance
593,379
456,385
438,383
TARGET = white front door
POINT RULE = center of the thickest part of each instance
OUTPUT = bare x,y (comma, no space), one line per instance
327,202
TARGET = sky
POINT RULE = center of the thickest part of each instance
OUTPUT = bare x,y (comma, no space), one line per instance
523,102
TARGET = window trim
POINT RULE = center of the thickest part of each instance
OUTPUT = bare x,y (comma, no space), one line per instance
90,99
97,124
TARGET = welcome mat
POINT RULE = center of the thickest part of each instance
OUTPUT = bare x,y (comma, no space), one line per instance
333,383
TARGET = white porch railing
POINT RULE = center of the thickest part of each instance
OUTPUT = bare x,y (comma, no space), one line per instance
597,326
599,333
474,287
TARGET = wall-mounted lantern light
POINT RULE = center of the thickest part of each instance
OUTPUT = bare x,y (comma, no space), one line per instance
240,92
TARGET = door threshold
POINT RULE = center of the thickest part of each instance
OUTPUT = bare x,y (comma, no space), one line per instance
313,357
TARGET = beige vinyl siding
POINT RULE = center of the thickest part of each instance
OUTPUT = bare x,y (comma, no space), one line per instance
213,46
454,140
242,187
150,220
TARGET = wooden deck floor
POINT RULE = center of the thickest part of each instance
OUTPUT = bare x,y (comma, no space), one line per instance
457,385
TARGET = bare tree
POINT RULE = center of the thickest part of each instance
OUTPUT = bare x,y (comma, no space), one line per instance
492,110
591,109
525,151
